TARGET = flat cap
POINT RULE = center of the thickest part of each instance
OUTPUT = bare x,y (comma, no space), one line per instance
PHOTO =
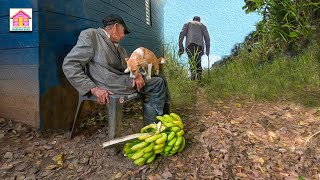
112,19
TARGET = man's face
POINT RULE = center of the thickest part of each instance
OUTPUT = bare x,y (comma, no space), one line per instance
117,33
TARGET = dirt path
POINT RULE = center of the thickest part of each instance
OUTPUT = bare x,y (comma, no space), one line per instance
230,139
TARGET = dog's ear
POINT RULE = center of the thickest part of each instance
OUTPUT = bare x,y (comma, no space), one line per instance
161,60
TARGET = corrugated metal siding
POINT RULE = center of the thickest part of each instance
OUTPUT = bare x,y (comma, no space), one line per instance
60,23
19,55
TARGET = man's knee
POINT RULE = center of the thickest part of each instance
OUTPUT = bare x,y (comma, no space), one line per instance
159,80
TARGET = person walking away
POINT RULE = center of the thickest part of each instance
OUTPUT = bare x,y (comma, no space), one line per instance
197,35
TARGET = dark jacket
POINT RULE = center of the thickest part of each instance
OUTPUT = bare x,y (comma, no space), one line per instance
195,32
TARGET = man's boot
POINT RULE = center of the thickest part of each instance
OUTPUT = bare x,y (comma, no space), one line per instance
166,108
149,114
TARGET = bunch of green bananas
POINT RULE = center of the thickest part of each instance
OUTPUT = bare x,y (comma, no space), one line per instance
174,128
167,139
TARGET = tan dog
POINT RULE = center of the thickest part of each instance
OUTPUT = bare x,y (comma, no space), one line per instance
143,57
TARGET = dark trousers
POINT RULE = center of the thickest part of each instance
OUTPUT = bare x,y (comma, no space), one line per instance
195,53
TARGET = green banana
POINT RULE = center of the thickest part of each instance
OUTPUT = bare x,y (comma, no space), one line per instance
158,146
140,161
180,133
167,148
149,128
147,155
127,147
175,116
162,140
175,129
178,123
139,146
149,148
137,154
158,151
130,144
166,152
130,155
171,135
178,142
150,159
168,118
144,136
127,150
170,124
153,138
162,119
172,142
175,149
182,145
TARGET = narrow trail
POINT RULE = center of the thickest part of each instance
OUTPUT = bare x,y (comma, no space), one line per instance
226,139
245,139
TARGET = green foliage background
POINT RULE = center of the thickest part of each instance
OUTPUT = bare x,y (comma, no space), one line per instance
278,61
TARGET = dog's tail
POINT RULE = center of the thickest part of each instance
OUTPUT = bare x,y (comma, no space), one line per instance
161,60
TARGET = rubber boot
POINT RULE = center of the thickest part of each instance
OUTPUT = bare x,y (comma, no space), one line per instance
166,108
149,114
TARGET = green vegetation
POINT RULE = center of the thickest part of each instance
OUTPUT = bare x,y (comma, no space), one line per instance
279,61
291,78
284,78
182,90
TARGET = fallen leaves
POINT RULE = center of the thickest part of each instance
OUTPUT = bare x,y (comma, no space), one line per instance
239,140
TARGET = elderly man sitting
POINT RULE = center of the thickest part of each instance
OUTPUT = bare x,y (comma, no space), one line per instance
98,51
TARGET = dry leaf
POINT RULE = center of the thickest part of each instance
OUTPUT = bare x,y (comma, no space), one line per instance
154,177
217,172
219,102
211,113
234,122
118,175
51,167
272,135
59,159
302,123
257,159
166,175
241,175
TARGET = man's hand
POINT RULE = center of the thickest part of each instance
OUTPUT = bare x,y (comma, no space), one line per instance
138,81
181,51
101,94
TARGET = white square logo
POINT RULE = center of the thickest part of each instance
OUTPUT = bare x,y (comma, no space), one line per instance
20,19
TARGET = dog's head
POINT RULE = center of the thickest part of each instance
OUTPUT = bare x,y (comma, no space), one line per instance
161,60
132,67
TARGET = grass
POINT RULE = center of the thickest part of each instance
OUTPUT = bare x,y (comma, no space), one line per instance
285,78
182,90
295,79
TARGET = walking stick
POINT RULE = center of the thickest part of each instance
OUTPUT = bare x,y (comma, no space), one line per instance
208,68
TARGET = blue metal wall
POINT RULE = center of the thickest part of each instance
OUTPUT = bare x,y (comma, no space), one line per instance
33,88
19,64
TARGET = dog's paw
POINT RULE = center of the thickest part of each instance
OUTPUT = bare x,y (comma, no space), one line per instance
148,77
